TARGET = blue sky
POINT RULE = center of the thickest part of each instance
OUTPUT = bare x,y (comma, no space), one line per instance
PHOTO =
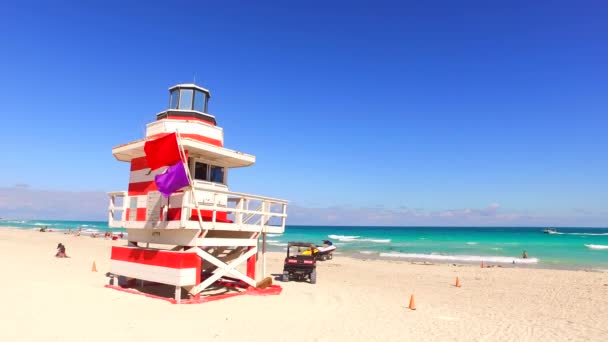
495,111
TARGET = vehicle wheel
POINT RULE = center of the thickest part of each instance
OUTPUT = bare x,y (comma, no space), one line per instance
322,257
331,256
285,277
313,277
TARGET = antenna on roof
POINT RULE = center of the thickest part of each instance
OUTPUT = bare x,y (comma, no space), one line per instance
194,79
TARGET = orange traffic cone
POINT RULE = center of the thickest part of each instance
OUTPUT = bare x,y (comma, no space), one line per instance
94,268
457,282
412,303
483,265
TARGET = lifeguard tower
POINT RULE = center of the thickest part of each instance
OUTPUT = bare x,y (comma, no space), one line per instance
203,234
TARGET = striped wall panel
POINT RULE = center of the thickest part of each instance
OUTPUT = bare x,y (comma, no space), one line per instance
188,129
167,267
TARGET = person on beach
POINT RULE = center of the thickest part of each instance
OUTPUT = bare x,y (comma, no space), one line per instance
525,255
61,251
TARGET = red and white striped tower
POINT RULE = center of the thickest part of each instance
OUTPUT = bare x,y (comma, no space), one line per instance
221,228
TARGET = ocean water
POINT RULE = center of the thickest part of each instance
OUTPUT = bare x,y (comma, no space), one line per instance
54,225
570,248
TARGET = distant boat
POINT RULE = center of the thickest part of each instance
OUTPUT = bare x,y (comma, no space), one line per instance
550,231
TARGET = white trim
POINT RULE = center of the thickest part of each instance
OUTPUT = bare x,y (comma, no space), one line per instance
190,85
178,237
212,242
221,156
185,127
194,225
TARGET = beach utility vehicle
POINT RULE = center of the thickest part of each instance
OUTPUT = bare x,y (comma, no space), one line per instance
300,262
323,252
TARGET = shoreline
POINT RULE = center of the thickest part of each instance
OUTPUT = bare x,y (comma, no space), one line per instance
357,255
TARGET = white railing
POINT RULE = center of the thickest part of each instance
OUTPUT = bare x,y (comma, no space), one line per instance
242,209
251,212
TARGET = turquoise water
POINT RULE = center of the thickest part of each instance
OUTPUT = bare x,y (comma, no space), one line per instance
570,248
87,226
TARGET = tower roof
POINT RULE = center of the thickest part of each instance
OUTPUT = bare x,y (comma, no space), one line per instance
191,86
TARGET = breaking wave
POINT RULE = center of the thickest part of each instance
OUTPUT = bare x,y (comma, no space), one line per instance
586,234
597,246
356,238
343,237
468,258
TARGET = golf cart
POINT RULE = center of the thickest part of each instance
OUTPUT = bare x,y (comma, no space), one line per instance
301,262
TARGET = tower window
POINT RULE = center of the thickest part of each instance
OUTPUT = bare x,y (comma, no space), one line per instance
217,174
209,173
174,98
200,171
199,101
185,99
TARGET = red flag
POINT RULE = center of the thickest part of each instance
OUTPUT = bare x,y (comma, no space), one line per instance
162,151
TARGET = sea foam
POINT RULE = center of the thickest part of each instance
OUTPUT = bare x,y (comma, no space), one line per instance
585,234
343,237
356,238
376,240
597,246
468,258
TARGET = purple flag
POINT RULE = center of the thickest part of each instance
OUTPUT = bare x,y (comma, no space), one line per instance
173,179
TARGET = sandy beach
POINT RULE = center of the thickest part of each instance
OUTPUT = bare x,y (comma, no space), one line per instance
51,299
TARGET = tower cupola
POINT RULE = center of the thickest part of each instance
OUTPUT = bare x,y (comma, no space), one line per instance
188,101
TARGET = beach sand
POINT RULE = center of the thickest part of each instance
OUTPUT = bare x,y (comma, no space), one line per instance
49,299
